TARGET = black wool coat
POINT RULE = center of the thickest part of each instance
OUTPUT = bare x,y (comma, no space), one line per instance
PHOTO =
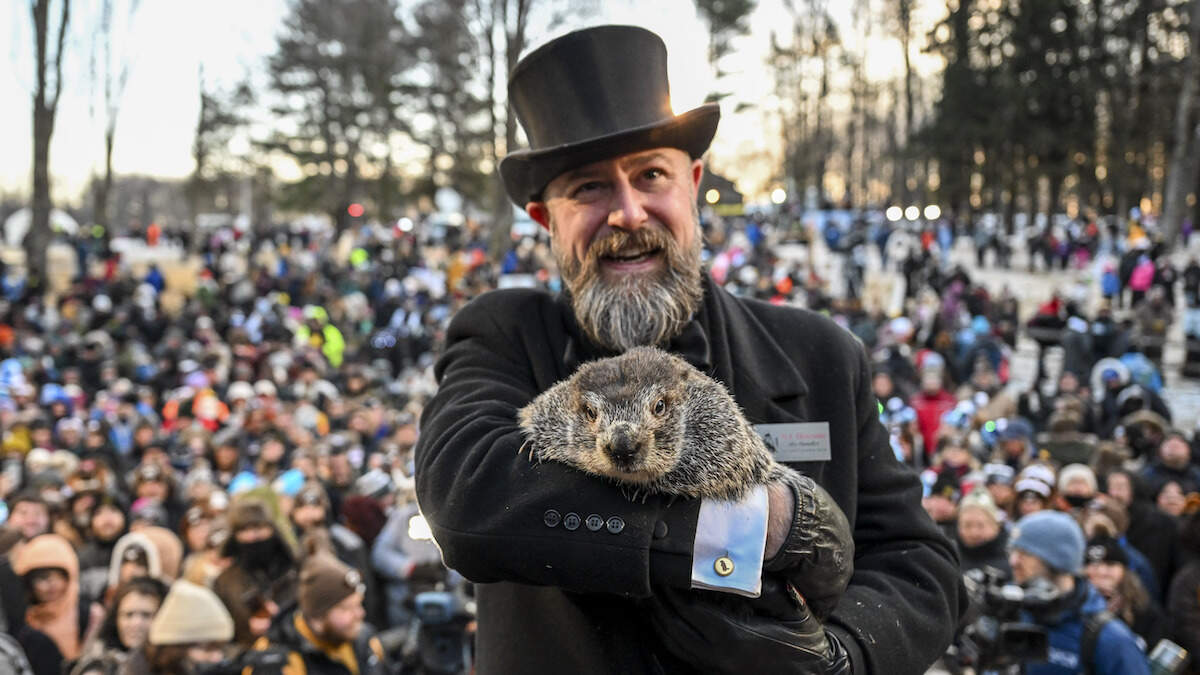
559,600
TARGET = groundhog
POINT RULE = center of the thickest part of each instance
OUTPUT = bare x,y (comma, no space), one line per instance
652,422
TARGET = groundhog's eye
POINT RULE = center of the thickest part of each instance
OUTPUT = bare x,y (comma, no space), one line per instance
589,412
660,406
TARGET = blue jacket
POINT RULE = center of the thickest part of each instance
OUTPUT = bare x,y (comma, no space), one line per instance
1117,650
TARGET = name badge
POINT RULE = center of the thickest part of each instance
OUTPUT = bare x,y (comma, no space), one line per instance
796,441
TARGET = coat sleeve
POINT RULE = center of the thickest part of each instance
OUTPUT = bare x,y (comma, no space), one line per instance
498,517
905,598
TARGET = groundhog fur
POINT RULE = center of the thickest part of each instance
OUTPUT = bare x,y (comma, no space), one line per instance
651,422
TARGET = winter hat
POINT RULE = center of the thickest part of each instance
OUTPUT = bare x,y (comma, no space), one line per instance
1054,538
324,582
312,494
248,513
170,550
1073,472
191,614
1106,549
982,500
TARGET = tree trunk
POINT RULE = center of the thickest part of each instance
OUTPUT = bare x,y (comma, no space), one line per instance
45,105
1187,136
105,186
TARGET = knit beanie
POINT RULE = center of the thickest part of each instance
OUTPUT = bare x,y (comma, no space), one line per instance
981,499
324,582
1074,472
1106,549
191,614
1054,537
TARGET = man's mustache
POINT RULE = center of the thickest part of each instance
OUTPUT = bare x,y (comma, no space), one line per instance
620,241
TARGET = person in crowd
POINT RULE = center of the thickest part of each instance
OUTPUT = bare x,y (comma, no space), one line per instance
326,632
57,617
190,635
1173,462
261,578
1048,548
1107,569
310,511
1150,531
125,628
1183,597
982,536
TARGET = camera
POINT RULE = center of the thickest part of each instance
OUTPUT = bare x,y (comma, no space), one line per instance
997,638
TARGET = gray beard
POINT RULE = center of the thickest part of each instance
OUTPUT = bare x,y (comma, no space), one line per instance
637,310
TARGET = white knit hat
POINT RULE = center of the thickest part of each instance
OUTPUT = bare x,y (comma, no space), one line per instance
191,614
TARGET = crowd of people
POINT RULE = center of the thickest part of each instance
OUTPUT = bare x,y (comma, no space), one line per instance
211,469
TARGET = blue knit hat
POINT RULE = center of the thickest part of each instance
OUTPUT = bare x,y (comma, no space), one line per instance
1054,537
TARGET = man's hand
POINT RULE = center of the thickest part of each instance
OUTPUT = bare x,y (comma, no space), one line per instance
817,552
775,634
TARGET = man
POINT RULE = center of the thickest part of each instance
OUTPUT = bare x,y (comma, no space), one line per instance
28,516
262,577
573,576
1174,462
1048,547
326,633
310,512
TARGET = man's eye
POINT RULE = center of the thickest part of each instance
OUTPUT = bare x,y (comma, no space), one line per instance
653,173
589,186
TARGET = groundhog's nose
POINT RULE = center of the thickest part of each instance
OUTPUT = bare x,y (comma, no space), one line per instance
622,446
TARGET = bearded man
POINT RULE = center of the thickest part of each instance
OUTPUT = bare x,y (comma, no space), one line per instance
573,576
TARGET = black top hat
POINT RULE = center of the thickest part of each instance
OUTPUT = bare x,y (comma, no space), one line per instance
594,94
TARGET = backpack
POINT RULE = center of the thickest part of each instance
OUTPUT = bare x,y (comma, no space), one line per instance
1142,276
1092,625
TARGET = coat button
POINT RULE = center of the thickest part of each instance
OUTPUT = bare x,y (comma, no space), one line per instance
571,521
594,522
660,530
615,525
723,566
551,518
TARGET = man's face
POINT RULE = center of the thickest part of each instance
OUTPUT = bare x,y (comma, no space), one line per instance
107,523
30,519
1120,489
1026,567
1175,452
343,622
625,234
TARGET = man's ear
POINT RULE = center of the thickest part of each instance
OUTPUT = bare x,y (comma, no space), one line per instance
697,174
539,213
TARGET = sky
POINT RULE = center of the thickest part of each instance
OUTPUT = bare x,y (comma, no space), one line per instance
166,42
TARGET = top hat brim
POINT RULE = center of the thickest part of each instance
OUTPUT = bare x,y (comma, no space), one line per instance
527,172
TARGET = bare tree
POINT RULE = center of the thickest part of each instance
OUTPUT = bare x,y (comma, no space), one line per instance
46,94
1182,172
113,80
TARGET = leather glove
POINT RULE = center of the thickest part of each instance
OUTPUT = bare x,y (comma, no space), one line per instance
718,633
817,557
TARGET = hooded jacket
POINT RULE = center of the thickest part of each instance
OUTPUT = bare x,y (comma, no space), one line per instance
1117,650
308,655
140,540
60,619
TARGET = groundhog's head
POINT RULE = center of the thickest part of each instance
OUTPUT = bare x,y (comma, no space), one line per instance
632,409
621,417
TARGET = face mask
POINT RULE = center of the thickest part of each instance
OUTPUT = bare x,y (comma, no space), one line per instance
259,554
1077,501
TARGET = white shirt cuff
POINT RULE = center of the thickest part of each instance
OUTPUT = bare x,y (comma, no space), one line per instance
730,537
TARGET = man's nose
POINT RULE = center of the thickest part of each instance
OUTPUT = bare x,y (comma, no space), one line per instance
626,210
